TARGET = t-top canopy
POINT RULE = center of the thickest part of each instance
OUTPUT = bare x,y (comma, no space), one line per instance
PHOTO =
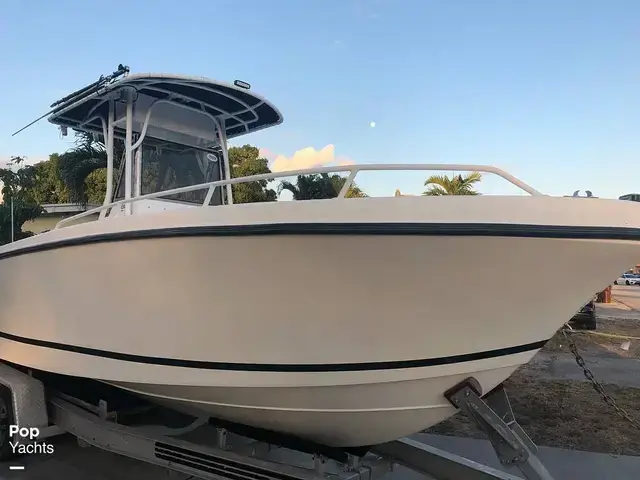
183,114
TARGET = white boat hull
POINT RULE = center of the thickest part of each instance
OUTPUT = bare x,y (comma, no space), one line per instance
347,337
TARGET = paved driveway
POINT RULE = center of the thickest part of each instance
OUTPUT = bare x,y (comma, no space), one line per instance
630,295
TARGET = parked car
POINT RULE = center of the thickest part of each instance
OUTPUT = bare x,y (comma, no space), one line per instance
627,279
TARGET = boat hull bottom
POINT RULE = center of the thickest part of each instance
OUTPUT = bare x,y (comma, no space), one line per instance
395,409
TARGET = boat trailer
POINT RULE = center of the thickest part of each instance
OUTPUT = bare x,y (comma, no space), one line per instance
219,450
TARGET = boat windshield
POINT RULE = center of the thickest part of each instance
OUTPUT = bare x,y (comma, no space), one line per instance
166,169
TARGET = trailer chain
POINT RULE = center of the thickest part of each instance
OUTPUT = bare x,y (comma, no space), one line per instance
597,386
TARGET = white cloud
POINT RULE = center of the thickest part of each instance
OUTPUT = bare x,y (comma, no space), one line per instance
307,157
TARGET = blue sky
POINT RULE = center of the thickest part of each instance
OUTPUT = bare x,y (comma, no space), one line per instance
548,90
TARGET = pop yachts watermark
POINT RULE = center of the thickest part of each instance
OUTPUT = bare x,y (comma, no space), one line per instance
24,440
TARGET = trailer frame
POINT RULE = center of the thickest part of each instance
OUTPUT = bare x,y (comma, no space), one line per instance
227,451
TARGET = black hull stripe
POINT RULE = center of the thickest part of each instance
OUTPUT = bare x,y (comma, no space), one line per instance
276,367
400,229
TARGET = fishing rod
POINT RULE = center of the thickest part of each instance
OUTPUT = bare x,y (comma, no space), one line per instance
80,94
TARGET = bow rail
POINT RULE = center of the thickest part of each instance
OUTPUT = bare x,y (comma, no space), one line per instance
352,169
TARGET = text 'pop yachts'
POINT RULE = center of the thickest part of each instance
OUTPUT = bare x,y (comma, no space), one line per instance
24,441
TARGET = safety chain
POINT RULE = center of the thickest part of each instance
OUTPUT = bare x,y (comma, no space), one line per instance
597,386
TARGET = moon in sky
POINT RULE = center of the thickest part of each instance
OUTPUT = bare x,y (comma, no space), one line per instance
372,124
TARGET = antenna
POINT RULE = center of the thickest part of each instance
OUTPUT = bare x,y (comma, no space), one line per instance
80,94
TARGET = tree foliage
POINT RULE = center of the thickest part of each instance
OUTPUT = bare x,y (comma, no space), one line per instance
354,190
457,185
18,187
79,176
319,186
95,186
49,187
246,161
82,169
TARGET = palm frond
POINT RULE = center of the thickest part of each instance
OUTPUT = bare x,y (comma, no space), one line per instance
457,185
76,165
441,180
435,191
468,180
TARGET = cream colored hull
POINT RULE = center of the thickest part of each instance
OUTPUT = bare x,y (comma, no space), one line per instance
347,339
340,415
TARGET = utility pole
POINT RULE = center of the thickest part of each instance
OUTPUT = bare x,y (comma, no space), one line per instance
14,187
12,232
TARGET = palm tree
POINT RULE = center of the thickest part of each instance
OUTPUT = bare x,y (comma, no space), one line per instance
319,186
354,190
309,187
457,185
86,157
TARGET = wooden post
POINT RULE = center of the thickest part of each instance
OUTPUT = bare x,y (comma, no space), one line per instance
604,296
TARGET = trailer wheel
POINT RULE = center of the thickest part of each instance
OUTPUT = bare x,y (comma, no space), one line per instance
6,419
